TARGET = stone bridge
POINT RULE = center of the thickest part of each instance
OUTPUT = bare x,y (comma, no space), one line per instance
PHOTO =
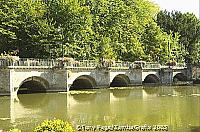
29,76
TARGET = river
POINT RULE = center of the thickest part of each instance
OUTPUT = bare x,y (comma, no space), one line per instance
176,107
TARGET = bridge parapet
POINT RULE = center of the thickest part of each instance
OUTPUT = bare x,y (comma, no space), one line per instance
150,65
28,63
61,75
89,64
177,66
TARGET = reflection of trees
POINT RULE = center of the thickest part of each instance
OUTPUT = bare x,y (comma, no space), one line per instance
121,93
33,100
4,124
186,90
84,96
151,90
195,129
181,90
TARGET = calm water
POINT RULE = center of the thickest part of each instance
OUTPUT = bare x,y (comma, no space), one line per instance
177,107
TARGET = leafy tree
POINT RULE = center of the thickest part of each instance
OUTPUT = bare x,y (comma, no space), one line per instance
187,26
123,22
22,27
159,46
85,29
154,42
8,24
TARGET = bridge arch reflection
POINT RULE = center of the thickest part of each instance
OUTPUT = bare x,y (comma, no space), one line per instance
84,97
151,90
121,93
37,100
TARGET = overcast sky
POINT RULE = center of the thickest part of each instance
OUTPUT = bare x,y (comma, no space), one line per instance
179,5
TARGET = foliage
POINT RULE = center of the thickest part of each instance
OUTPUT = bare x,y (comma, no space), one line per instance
87,29
54,125
196,53
187,25
9,56
159,46
23,27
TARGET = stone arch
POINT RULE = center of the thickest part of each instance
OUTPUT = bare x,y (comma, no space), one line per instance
179,77
33,84
120,80
151,79
83,82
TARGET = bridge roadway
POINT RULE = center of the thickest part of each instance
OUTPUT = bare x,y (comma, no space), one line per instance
36,75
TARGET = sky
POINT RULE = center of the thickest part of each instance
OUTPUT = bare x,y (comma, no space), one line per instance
180,5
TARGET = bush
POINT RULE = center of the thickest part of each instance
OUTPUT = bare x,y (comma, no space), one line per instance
54,126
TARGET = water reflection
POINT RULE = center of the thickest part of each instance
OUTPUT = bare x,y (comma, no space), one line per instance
195,129
151,90
37,100
83,97
121,93
148,105
184,91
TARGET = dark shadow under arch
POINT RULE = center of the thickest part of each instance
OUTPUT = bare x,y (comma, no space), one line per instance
151,79
83,82
179,77
33,85
120,80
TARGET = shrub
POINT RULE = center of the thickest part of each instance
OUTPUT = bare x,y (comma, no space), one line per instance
54,126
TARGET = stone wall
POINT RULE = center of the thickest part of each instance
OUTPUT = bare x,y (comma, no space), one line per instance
166,76
4,81
61,79
101,77
136,77
11,79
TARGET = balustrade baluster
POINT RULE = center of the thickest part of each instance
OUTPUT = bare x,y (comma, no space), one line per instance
30,63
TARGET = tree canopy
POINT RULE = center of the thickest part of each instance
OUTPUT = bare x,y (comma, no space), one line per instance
187,25
90,29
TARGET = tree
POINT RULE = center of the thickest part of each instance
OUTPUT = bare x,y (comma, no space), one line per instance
23,27
186,25
159,46
84,29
